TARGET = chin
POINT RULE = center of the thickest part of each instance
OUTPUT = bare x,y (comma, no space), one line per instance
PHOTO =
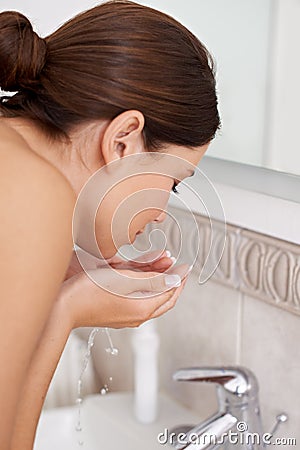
131,238
108,253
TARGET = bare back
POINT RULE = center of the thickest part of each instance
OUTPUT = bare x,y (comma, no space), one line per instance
36,205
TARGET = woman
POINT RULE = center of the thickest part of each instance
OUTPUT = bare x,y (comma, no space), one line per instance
118,80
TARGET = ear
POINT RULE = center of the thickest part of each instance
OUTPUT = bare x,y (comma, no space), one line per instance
123,136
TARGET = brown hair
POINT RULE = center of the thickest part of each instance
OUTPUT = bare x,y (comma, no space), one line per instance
117,56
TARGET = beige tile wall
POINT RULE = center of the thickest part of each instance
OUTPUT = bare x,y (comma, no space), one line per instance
270,346
201,330
247,314
217,325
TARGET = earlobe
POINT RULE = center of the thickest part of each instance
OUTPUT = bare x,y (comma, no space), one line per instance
123,136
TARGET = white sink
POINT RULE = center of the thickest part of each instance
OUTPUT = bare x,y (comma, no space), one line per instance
108,424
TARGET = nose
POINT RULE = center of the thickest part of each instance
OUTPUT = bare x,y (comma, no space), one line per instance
161,217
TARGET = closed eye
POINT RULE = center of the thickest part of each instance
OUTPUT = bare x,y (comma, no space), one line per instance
176,182
174,187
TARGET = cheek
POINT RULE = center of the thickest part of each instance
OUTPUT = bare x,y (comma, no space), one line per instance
123,214
140,220
151,207
103,232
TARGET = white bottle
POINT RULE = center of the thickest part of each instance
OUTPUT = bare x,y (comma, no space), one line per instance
145,344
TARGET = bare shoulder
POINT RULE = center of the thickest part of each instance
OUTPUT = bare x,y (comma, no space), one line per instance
36,204
18,163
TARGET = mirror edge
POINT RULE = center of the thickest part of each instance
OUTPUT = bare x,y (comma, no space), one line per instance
270,182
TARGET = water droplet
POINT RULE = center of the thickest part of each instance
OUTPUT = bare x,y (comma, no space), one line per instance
110,349
80,442
113,351
104,390
78,428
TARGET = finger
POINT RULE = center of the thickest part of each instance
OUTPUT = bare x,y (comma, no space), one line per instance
164,262
153,282
151,257
183,270
154,306
164,302
114,260
161,265
169,304
138,284
131,264
165,307
134,284
157,260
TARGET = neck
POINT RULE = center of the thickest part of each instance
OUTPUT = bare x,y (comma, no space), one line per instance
67,157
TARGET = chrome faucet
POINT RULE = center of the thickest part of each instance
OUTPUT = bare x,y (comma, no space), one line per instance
237,390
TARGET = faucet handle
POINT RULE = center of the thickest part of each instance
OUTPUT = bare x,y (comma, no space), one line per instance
236,380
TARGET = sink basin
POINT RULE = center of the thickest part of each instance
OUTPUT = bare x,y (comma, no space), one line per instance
108,423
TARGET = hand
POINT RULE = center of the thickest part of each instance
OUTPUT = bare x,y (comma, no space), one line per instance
156,261
89,305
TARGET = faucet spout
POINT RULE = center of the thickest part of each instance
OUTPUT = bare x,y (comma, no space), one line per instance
208,435
237,391
238,381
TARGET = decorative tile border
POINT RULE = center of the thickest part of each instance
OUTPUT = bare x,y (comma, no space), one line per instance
270,270
256,264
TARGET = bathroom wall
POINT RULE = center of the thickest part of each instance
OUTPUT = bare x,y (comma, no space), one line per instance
248,313
283,107
47,16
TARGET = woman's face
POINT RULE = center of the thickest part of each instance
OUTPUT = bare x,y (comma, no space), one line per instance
138,200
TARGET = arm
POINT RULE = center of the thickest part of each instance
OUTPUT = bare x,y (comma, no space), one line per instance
41,370
35,241
80,303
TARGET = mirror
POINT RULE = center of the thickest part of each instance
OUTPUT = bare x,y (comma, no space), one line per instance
255,44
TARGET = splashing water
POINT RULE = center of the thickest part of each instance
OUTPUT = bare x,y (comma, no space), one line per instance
86,358
104,390
113,351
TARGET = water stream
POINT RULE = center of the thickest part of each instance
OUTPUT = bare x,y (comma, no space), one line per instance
90,343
